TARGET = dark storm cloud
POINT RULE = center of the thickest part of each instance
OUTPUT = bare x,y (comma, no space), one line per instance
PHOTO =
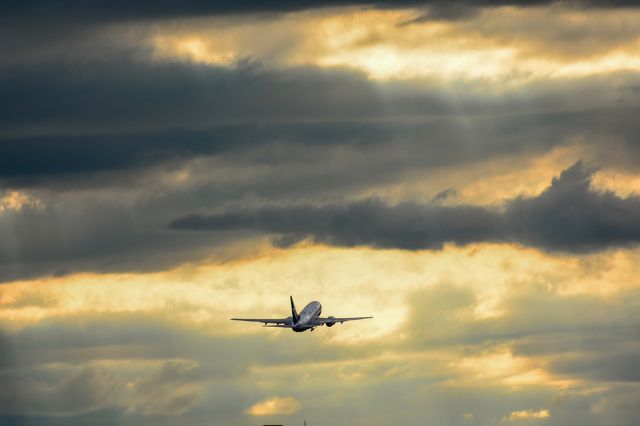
123,227
63,120
70,119
568,216
100,10
91,235
136,93
126,90
120,125
51,160
370,222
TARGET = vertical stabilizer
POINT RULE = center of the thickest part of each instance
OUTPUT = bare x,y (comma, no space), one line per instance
294,313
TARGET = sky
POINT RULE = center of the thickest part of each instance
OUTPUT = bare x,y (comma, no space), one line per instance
467,172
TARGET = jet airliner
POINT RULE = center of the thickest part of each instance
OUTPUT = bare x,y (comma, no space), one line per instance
308,319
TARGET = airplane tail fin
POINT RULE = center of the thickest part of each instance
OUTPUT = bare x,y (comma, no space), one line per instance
294,313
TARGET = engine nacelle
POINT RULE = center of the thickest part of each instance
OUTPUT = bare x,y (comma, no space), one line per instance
330,323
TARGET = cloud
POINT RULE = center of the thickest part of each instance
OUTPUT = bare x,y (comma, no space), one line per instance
169,390
143,365
182,93
91,338
531,310
275,405
137,143
97,11
16,200
197,372
104,142
97,119
96,235
568,216
526,414
546,335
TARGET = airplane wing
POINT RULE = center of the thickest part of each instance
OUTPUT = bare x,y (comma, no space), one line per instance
282,321
321,321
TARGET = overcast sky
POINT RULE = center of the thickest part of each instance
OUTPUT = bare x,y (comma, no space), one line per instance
467,172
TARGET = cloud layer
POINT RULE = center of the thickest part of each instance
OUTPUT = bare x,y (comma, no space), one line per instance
466,178
541,350
567,216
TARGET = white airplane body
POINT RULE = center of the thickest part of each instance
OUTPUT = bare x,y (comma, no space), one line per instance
308,319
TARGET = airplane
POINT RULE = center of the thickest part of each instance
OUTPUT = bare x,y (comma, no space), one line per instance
308,319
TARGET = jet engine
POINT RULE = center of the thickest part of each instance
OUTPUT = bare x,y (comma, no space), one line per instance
330,323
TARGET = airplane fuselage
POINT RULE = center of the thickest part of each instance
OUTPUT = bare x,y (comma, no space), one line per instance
307,317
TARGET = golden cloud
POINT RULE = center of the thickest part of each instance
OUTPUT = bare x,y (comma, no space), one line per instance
275,405
500,44
202,297
346,281
17,200
526,414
